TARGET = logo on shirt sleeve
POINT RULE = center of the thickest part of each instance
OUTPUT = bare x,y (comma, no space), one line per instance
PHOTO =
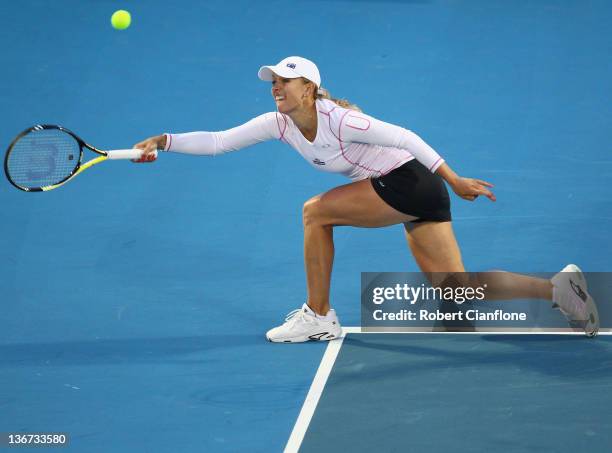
318,161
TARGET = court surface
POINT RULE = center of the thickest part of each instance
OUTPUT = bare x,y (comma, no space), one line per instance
459,392
134,300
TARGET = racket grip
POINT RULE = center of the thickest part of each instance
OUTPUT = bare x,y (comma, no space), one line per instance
126,154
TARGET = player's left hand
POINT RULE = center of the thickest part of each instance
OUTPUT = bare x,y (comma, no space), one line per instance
469,189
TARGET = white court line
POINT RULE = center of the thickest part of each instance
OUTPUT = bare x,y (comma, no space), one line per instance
329,358
484,331
314,394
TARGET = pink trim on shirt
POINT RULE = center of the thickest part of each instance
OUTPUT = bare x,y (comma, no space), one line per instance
339,137
397,165
435,163
282,132
359,128
327,113
168,142
330,127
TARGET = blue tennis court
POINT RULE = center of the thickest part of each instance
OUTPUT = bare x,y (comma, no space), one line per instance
135,299
465,392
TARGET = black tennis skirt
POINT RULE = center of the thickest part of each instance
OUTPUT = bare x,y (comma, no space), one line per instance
414,190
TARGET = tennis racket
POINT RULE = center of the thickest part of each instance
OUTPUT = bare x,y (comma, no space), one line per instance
45,157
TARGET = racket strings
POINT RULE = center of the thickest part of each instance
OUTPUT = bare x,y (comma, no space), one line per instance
43,158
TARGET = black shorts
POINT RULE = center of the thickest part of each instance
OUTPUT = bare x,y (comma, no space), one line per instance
414,190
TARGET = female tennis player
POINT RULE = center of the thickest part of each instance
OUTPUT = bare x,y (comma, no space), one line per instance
396,178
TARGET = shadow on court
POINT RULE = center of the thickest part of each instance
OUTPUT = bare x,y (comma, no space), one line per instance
467,393
574,358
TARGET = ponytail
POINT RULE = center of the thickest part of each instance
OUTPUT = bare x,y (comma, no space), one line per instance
322,93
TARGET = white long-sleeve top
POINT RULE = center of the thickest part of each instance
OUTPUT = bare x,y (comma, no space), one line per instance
347,142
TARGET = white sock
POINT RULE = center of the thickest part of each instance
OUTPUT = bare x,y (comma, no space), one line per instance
329,316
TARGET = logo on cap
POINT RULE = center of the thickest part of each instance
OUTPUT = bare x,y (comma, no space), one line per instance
291,65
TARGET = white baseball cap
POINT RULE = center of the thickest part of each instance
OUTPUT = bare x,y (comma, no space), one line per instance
292,68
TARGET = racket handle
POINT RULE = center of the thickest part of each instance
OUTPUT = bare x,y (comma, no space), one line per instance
126,154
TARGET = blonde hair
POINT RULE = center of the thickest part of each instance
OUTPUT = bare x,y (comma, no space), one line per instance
322,93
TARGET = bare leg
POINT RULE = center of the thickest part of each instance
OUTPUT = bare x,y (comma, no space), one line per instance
355,204
435,250
433,245
318,260
506,285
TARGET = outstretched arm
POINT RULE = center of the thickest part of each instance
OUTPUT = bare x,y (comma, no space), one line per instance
262,128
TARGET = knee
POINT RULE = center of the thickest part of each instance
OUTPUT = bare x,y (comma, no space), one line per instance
313,212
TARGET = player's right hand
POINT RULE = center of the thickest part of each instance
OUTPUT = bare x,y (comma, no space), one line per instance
150,147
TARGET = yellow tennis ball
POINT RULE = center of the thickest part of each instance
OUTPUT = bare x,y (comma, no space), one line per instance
121,19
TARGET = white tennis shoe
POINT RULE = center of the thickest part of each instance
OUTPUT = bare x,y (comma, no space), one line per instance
571,297
303,325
